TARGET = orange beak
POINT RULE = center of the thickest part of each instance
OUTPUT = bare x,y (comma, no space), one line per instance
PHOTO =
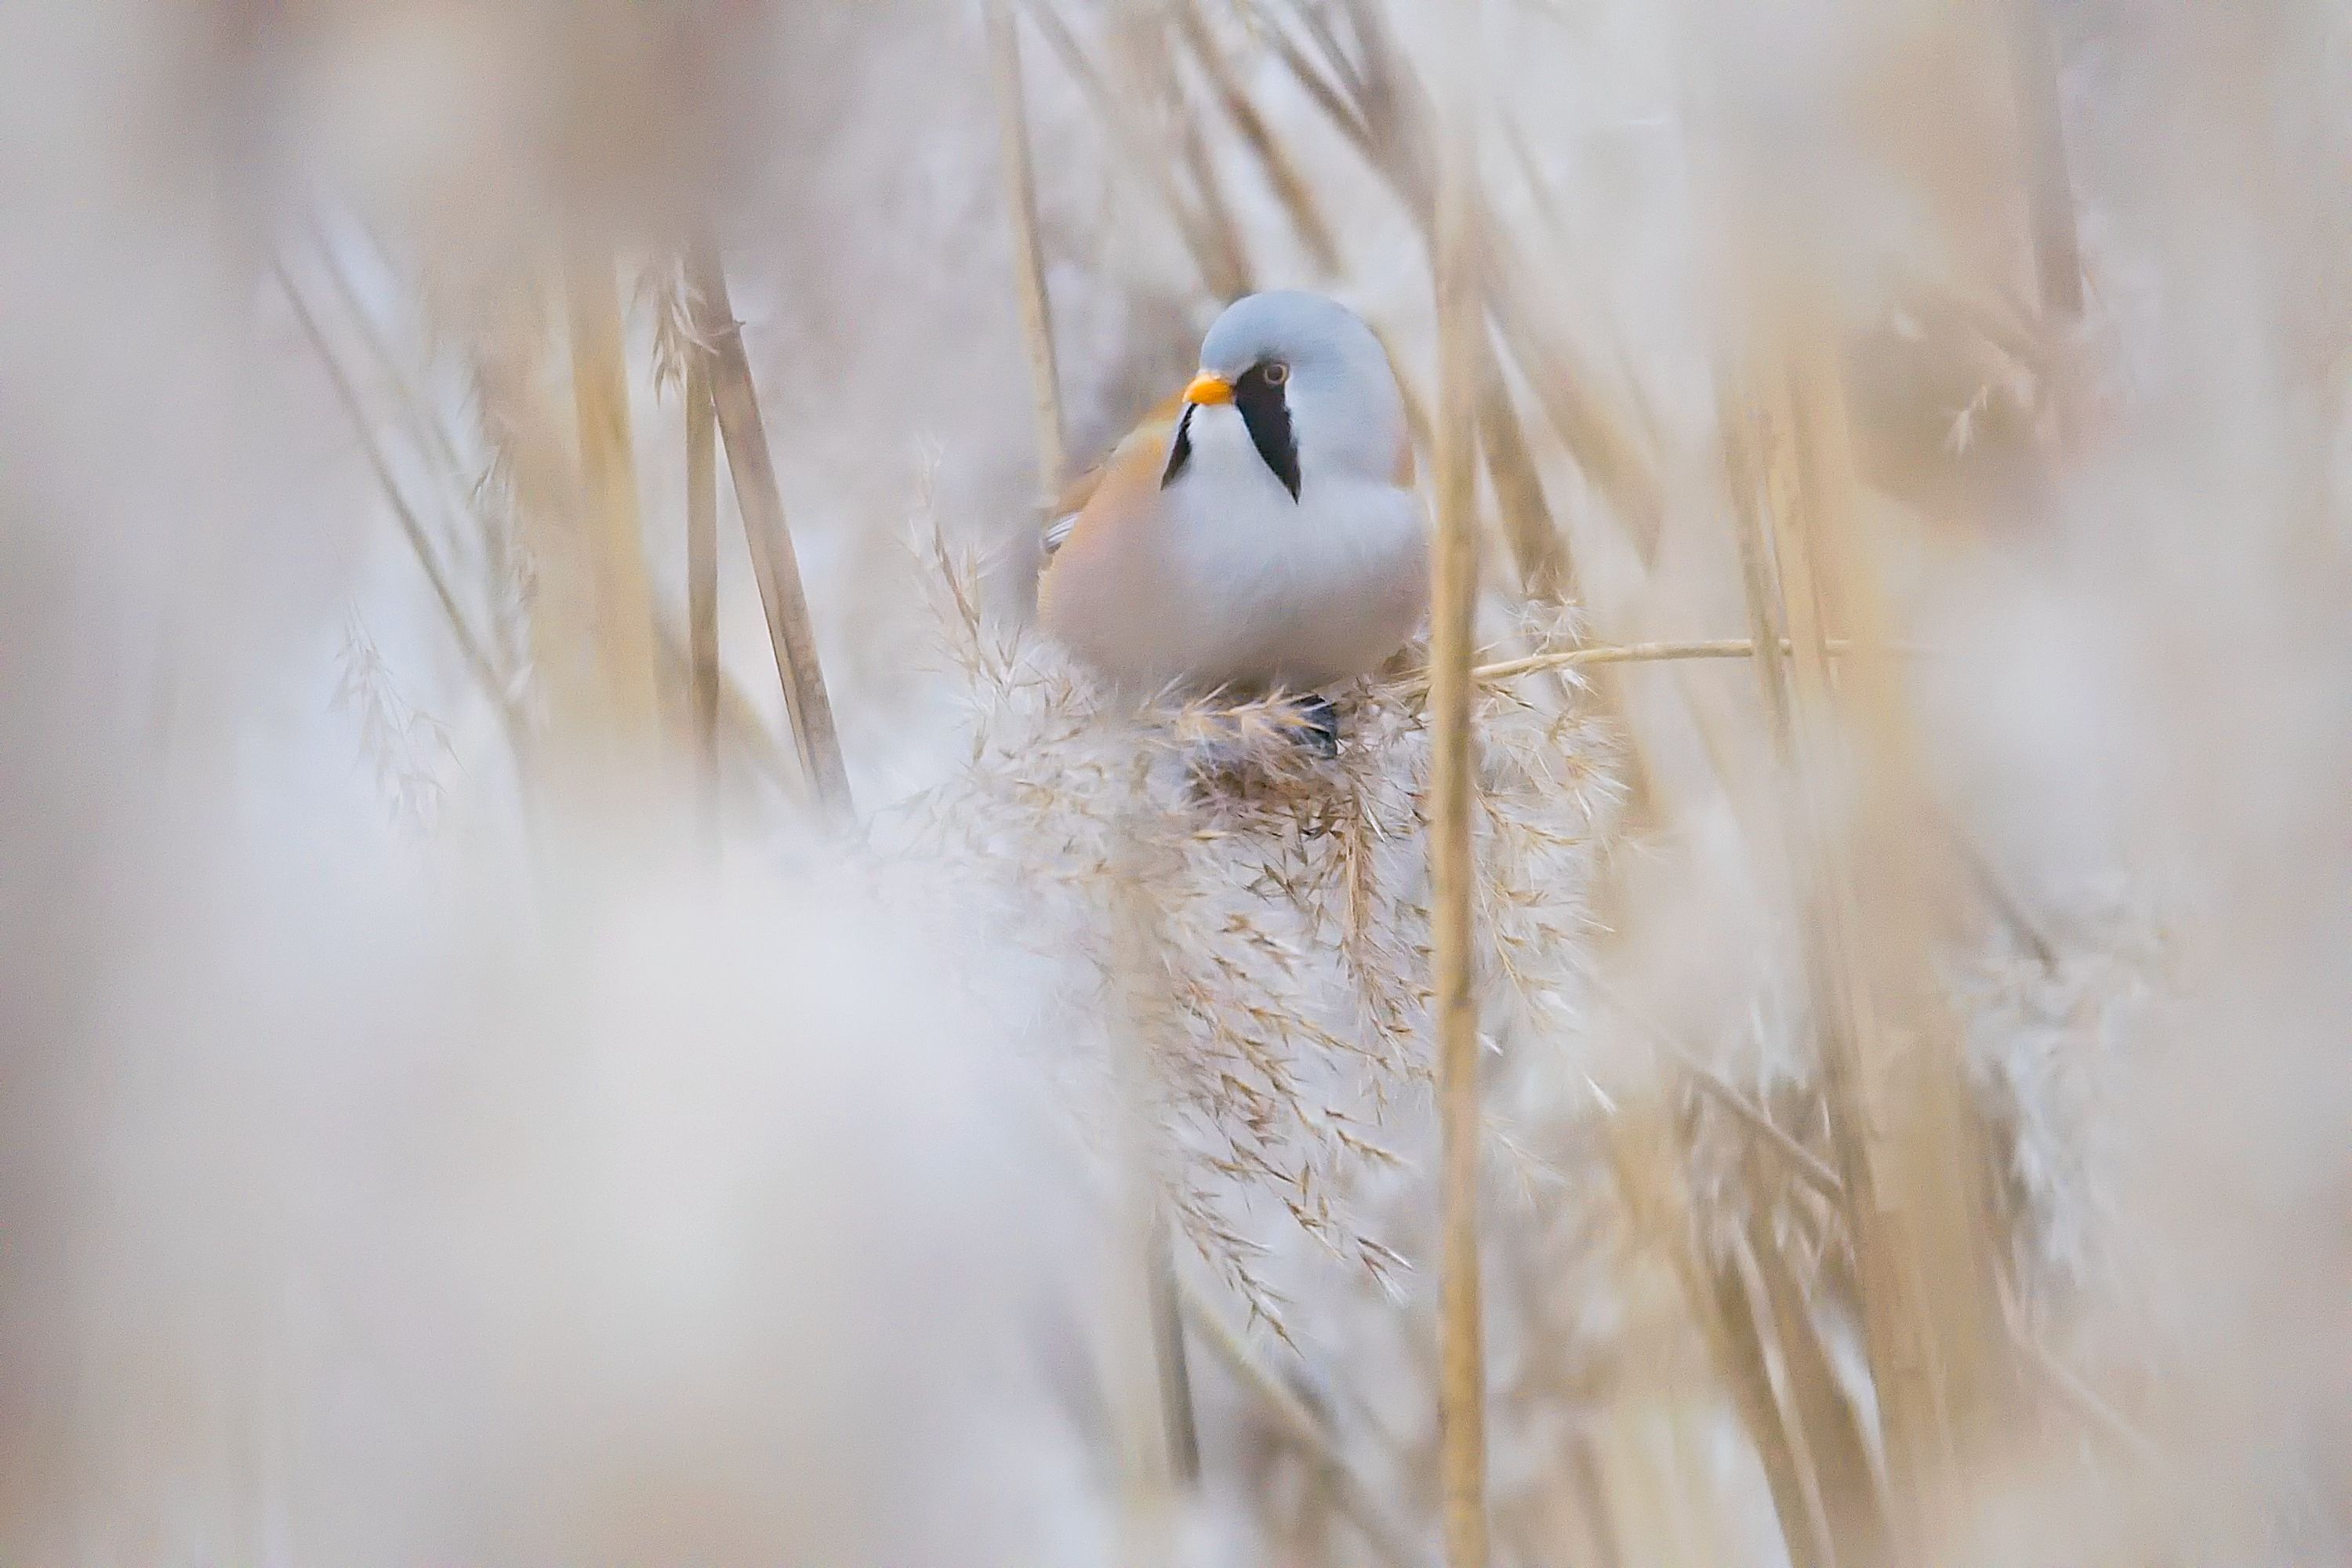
1207,388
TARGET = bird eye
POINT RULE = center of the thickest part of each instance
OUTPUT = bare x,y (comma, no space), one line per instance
1276,373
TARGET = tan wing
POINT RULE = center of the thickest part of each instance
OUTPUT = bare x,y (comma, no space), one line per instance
1152,436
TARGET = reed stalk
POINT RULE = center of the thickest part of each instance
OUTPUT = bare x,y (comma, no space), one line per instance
702,579
415,410
492,533
1373,96
1300,1426
1628,653
1462,1392
470,647
1290,186
1806,1165
761,501
1538,547
1149,1384
1855,1503
1656,1512
1843,1013
519,390
1903,1128
2078,1395
1746,1348
614,531
1152,65
2050,185
739,726
1146,157
1028,252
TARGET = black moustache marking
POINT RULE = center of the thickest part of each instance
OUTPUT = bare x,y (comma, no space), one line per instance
1181,453
1267,415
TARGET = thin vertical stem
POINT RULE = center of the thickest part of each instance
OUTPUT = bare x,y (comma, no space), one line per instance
1753,503
1145,152
623,595
1300,1426
1546,573
469,646
702,578
1168,1354
761,501
2057,248
1290,186
411,399
1028,256
1149,1385
1461,324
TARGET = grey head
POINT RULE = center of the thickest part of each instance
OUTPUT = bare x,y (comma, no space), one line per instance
1313,384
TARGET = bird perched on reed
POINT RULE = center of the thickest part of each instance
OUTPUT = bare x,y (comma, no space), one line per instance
1261,532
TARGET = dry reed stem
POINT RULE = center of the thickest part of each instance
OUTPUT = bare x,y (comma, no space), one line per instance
739,723
760,500
1454,1008
1636,653
1281,175
1152,63
1899,1116
1910,1410
1151,1400
412,404
1170,1451
1538,548
1937,1137
1764,476
1747,1344
524,395
1594,434
2049,194
1028,255
702,578
491,532
1758,493
1384,109
1145,156
1802,1162
608,471
2079,1396
1628,653
1852,1488
1650,1166
1664,1287
1168,1354
1300,1426
469,646
1647,1165
1343,114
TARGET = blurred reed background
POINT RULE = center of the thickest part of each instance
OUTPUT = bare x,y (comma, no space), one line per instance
578,987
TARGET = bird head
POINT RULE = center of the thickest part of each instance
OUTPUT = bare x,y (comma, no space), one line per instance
1309,380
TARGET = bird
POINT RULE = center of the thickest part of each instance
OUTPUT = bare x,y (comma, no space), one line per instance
1260,532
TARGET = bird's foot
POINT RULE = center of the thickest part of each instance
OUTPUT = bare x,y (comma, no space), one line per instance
1319,726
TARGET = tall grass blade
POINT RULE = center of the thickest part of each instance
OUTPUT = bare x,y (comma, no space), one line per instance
761,503
1462,1390
1028,252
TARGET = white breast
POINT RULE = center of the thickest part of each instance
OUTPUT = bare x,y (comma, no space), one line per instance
1269,590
